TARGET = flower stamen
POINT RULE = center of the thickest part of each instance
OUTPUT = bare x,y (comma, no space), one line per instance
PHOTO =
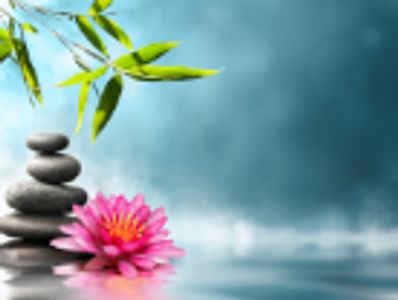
125,227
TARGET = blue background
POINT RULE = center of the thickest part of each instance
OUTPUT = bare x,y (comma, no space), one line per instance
299,131
279,175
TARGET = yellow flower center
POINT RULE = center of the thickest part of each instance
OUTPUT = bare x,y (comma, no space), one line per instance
124,227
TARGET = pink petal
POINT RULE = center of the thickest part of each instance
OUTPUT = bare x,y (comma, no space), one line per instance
93,207
80,230
86,216
158,236
166,252
111,250
83,236
101,206
66,243
131,246
143,213
75,229
155,226
127,269
97,263
86,244
175,252
104,236
143,262
121,205
134,245
67,229
161,245
136,202
161,260
112,202
156,215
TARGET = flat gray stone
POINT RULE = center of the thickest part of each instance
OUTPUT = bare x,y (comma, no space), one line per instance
34,197
53,168
33,226
23,254
47,142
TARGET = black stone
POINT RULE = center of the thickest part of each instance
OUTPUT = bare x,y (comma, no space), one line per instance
53,168
33,226
33,197
47,142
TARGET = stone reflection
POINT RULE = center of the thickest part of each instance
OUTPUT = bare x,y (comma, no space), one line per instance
27,267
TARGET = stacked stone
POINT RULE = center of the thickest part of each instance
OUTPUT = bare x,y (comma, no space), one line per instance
42,203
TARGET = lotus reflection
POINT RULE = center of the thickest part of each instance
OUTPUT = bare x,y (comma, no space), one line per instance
109,284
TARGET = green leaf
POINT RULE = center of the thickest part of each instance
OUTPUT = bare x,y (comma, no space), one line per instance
168,73
154,51
27,68
99,6
74,79
107,104
144,55
27,27
84,92
91,35
84,76
114,30
98,73
5,44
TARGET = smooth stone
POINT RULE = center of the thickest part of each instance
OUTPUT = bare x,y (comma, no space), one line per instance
34,197
21,254
47,142
53,168
33,226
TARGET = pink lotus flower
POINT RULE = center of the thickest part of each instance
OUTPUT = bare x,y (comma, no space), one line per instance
120,234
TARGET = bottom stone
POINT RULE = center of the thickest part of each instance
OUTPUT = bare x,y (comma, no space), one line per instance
21,253
33,226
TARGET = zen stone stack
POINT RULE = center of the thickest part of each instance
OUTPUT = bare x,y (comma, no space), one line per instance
43,202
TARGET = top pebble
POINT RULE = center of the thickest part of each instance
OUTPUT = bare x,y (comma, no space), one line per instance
47,142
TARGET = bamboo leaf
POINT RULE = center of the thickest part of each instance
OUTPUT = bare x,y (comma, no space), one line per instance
27,68
99,6
74,79
168,73
154,51
98,73
90,33
84,92
83,76
27,27
114,30
107,104
144,55
5,44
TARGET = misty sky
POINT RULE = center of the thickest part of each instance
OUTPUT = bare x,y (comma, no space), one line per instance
300,127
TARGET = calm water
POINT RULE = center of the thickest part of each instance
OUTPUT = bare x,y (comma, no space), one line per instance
207,277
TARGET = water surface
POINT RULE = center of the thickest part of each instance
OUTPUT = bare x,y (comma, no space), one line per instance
206,277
